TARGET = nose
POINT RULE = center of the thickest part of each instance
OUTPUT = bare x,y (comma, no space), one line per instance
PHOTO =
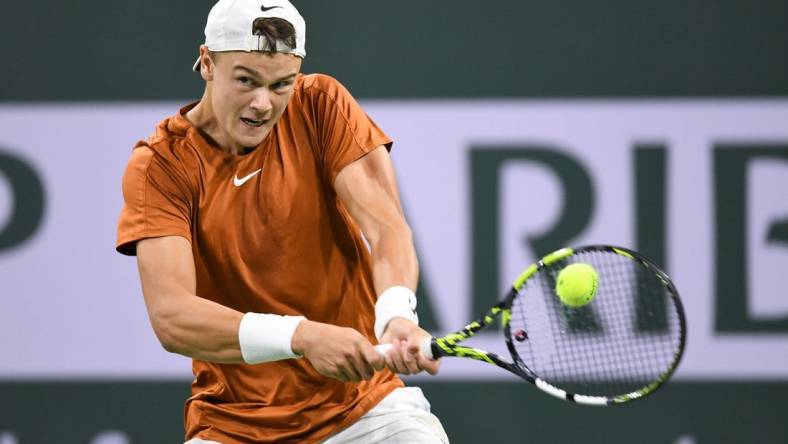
262,101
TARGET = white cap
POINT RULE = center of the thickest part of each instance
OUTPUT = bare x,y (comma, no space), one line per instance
229,26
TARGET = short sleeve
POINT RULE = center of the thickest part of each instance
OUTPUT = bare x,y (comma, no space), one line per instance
345,132
157,201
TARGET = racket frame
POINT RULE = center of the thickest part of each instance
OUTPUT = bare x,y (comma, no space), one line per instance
448,345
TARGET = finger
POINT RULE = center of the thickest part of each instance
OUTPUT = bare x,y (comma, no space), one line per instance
398,358
391,358
363,366
370,359
364,358
414,345
364,371
411,361
408,360
429,365
336,374
375,360
350,372
390,364
415,358
355,365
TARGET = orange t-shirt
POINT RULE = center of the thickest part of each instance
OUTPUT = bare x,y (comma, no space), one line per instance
279,242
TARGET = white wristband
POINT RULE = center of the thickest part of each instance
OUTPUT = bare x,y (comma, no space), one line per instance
267,337
394,302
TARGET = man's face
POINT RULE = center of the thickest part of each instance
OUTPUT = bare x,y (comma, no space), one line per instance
249,92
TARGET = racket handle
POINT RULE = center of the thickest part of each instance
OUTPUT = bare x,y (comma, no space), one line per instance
382,349
425,348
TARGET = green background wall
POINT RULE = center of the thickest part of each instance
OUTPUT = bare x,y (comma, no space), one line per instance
151,412
142,50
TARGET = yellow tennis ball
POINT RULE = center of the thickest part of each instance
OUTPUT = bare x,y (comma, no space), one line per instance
576,284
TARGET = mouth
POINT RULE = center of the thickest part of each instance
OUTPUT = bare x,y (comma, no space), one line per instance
254,123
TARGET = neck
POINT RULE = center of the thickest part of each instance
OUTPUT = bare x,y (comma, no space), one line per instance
203,118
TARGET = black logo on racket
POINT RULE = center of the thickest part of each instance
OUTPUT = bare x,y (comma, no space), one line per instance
266,9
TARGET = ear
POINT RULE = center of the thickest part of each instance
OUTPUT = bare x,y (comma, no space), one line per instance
207,65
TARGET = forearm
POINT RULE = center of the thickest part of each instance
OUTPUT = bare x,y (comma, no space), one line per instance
394,261
198,328
368,188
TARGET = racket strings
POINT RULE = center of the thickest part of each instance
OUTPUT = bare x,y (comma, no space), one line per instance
622,341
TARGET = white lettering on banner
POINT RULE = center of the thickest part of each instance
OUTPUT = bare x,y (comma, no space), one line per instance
768,289
74,282
6,202
531,202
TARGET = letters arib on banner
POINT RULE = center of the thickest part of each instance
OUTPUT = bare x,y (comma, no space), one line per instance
488,186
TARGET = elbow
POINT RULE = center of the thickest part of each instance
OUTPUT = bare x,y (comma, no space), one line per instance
166,332
169,344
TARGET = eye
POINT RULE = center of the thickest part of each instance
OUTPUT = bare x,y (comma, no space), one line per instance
281,85
246,81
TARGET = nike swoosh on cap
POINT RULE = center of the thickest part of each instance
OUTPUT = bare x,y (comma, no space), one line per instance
266,9
238,182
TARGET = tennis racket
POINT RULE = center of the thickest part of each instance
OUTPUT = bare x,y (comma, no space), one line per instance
621,346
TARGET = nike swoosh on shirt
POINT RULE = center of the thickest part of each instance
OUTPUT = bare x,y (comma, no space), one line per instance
238,182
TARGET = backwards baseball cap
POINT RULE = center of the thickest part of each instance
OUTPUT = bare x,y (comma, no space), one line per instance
230,26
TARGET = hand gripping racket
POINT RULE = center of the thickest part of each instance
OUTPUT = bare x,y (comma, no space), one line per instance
621,346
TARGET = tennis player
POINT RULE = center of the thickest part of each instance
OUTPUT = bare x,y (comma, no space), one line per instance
246,212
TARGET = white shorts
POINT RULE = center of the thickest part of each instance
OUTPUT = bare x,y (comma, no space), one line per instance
402,417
